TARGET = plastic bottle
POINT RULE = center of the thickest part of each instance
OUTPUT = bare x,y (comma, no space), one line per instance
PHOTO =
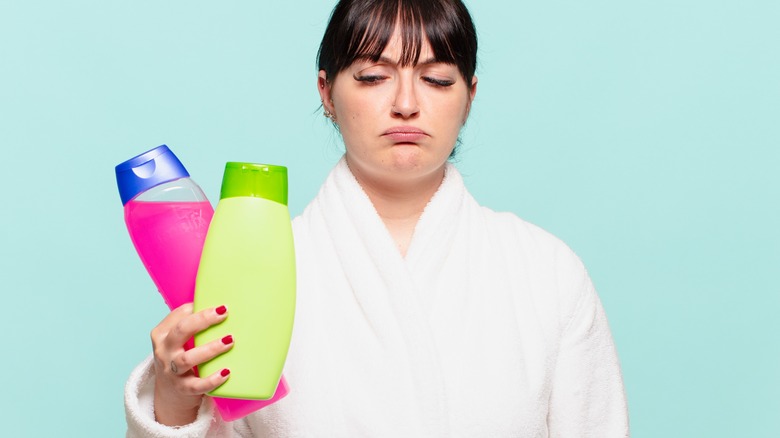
248,264
168,216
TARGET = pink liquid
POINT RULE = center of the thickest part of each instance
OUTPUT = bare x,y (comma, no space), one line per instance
168,237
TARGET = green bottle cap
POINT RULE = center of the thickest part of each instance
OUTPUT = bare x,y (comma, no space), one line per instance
255,180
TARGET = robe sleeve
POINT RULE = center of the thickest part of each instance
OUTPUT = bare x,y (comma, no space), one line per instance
587,398
139,412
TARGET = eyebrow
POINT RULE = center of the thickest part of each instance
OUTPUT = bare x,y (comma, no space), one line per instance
386,60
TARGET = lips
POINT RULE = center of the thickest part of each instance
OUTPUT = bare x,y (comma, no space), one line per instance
405,134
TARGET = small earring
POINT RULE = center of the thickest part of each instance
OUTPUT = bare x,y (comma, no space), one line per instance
329,115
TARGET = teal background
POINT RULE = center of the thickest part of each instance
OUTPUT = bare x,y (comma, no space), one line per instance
643,133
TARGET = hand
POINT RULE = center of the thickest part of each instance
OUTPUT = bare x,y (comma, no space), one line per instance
178,391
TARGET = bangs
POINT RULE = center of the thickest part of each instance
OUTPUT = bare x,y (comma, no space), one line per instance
366,28
372,36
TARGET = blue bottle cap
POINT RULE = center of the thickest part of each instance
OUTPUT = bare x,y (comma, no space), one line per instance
152,168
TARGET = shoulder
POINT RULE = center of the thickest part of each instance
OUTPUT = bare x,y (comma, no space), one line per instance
514,234
547,271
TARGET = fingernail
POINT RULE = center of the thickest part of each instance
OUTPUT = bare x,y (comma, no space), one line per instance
224,372
227,339
221,310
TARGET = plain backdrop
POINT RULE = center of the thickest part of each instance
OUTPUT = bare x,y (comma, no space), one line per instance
646,134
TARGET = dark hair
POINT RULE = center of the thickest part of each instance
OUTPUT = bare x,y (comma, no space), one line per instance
360,29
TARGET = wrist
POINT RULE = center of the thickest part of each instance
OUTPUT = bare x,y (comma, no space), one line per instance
173,409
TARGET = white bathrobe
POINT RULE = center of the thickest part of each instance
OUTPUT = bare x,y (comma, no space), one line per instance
489,327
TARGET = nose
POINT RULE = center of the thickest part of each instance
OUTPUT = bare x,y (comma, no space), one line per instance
405,104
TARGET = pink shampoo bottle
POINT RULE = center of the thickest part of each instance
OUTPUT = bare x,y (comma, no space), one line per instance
167,216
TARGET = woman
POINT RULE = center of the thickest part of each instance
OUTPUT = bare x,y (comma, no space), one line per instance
419,312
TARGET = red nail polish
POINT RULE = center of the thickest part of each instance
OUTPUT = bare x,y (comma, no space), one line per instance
221,310
227,339
224,372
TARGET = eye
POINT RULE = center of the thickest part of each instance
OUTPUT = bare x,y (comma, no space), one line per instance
438,82
370,79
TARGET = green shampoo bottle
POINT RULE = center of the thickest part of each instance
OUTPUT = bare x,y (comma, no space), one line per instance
248,265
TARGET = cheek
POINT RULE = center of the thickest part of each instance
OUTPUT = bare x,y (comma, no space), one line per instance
360,114
453,115
355,123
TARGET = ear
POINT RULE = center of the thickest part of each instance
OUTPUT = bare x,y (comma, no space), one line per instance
325,87
472,94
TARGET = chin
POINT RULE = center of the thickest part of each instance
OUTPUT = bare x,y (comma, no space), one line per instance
406,157
412,159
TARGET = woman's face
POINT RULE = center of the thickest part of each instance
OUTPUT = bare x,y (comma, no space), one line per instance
398,123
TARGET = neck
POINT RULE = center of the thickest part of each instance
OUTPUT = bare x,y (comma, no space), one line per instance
400,203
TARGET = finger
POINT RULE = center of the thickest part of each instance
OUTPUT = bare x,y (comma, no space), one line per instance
191,385
187,360
186,328
171,319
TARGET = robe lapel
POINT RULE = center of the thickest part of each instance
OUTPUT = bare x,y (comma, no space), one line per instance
433,238
388,297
